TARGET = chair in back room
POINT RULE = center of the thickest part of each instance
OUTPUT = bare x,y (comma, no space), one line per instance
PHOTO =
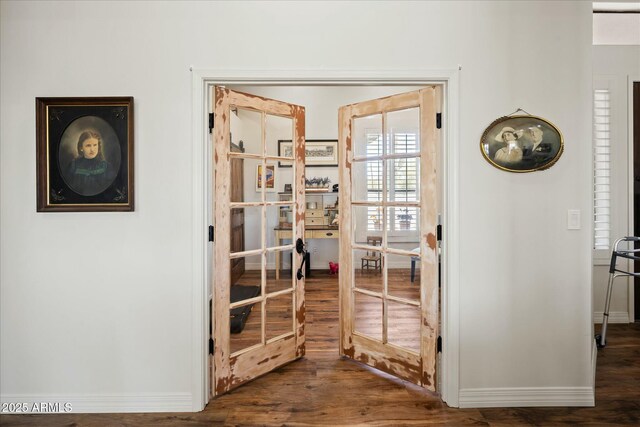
373,259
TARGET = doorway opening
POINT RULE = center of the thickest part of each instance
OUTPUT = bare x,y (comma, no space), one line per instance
635,126
321,102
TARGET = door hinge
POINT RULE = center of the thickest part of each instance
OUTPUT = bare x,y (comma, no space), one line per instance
210,122
439,344
211,346
439,232
211,239
439,120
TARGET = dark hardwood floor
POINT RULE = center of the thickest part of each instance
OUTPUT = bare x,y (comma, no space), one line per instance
323,389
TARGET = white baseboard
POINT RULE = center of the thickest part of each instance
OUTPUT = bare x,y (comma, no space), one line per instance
83,404
525,396
594,359
614,317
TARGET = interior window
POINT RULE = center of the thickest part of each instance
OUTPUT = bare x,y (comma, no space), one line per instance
601,169
402,182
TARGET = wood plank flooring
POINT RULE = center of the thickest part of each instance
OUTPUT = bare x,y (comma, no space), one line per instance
403,328
323,389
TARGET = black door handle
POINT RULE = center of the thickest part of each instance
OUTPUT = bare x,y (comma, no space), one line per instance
300,249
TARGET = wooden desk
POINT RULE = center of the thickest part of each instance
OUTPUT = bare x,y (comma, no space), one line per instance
310,232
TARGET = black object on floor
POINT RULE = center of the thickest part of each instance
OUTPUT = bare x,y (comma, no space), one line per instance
239,315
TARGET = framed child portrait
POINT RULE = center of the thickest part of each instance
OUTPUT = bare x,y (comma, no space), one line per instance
84,149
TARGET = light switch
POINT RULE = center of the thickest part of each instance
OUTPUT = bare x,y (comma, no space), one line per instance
573,219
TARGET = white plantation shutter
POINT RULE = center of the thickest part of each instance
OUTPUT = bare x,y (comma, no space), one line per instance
402,184
405,179
602,169
374,181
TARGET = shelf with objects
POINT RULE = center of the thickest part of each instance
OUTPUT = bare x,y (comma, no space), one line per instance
320,219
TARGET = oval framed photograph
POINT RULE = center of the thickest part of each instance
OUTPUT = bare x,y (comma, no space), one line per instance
522,143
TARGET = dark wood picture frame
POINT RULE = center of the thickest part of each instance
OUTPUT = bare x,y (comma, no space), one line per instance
311,145
85,156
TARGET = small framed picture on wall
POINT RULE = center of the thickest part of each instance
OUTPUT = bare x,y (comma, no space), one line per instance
84,154
269,178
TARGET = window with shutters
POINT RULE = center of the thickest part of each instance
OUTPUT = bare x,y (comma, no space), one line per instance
402,183
602,169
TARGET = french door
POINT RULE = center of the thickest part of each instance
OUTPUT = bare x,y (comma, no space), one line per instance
258,321
388,245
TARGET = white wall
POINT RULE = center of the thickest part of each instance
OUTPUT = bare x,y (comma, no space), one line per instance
119,326
614,67
616,28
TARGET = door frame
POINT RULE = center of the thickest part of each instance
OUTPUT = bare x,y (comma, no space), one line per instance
204,79
631,79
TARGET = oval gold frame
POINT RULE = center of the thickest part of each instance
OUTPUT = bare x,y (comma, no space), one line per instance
502,119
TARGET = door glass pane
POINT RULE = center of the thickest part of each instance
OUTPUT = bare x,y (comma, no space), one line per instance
283,235
279,316
403,325
238,176
246,126
279,129
284,180
243,181
403,127
284,281
399,277
366,181
246,271
271,197
366,223
368,316
367,270
246,327
367,136
269,177
244,236
276,217
403,227
403,180
279,218
330,205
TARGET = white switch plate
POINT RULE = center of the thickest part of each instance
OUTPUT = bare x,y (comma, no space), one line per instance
573,219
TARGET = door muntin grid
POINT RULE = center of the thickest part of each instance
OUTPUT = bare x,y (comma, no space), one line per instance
386,203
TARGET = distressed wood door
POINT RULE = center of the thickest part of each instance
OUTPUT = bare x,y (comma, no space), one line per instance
388,245
258,321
